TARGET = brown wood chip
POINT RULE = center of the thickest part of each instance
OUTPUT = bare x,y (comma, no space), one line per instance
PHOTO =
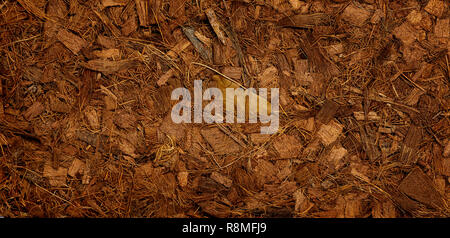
287,146
327,112
108,66
221,143
420,187
73,42
410,145
34,111
305,20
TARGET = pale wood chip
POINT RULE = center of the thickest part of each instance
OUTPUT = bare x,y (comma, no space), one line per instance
328,133
92,118
287,146
183,178
436,7
371,116
165,77
77,167
410,145
57,177
178,48
268,77
233,72
302,203
335,157
107,53
113,3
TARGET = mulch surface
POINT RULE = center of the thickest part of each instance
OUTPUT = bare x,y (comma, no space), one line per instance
85,105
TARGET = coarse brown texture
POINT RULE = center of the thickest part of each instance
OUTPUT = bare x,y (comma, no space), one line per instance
85,102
